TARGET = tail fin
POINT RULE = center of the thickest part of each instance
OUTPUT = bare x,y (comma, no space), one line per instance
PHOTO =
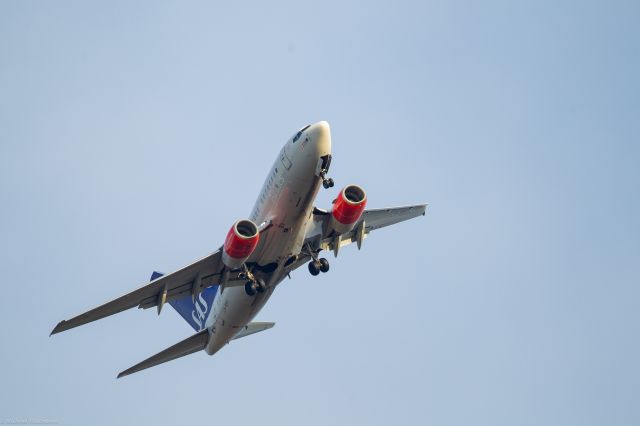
194,310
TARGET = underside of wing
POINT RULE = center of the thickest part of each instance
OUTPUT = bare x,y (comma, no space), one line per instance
321,238
379,218
371,220
189,280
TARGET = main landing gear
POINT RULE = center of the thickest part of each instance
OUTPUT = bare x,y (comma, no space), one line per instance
254,285
318,265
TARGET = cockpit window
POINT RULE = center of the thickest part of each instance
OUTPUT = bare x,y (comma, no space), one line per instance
297,136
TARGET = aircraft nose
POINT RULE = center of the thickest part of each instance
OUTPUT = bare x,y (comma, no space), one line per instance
320,135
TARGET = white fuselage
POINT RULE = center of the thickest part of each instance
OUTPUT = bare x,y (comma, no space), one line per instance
285,206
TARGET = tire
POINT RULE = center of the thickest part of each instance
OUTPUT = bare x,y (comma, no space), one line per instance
313,268
261,286
324,265
249,289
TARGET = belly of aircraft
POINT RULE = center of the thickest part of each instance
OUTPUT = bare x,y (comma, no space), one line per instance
288,215
288,221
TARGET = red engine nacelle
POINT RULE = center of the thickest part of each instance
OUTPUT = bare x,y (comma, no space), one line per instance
241,241
348,208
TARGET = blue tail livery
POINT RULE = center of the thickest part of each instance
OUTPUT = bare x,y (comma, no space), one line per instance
194,311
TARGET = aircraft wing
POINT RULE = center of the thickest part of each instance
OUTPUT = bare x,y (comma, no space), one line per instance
379,218
190,279
372,219
317,238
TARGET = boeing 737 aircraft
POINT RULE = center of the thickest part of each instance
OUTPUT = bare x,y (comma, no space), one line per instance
221,293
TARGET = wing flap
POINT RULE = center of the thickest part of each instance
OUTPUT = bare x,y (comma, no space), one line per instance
192,344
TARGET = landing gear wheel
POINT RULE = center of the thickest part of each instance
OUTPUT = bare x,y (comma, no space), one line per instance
250,288
261,286
314,268
326,182
324,265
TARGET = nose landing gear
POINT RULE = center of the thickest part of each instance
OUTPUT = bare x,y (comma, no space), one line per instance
326,182
324,169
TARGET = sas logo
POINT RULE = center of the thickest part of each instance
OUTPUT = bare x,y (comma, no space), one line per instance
195,310
200,310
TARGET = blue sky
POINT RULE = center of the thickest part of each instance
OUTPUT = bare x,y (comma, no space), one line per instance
133,134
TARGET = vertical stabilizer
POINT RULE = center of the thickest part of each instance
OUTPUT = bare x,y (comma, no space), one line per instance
194,309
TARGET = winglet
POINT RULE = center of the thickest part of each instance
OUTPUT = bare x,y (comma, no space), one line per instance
58,328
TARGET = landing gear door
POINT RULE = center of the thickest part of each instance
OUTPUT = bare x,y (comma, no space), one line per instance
286,162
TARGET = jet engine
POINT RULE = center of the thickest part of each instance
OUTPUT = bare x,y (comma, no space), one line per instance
241,241
348,208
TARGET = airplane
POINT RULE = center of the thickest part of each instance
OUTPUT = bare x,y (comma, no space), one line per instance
220,294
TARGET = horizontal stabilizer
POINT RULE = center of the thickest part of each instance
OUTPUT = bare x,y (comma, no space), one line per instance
195,343
253,327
